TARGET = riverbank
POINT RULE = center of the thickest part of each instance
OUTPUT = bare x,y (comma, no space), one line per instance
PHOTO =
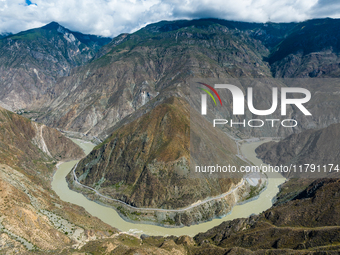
110,216
196,213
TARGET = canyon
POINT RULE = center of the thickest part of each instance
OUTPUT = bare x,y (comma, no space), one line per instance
132,96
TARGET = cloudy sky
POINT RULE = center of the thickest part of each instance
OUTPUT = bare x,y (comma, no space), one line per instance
112,17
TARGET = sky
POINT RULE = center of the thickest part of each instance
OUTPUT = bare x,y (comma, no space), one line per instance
113,17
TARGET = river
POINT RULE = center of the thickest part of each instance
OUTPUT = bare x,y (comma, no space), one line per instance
111,217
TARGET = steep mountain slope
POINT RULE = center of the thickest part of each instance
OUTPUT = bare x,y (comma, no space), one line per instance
132,157
146,163
311,228
27,144
165,57
313,225
125,79
310,50
32,217
319,147
32,61
146,64
137,73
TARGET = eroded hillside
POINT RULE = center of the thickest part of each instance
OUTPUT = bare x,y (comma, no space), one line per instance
32,217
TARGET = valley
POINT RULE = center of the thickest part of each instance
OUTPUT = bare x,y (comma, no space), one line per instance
126,183
33,218
133,226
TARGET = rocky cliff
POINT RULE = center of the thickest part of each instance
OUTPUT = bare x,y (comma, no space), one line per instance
311,228
32,61
134,68
146,163
318,147
32,217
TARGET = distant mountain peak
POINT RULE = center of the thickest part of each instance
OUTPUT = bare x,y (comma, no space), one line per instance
52,25
60,29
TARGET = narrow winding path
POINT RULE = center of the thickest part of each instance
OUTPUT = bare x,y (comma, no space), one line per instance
157,209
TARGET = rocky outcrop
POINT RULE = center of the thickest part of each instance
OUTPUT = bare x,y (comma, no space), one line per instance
32,61
312,225
146,164
318,147
153,62
32,217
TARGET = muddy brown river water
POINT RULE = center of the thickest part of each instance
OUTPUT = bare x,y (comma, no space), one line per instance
111,217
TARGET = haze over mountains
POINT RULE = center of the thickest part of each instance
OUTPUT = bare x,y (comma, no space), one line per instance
133,93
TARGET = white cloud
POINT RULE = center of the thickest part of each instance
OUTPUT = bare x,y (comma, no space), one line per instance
112,17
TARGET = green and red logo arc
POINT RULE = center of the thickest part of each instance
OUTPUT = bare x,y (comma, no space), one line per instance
209,93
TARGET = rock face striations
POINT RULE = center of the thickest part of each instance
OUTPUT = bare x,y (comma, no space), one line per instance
313,224
163,58
145,164
32,61
32,217
318,147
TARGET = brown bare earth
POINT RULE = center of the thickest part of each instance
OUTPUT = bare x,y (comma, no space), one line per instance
32,217
134,95
304,225
318,147
32,61
145,163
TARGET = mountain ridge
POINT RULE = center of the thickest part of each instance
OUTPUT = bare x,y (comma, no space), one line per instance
146,164
33,218
136,73
111,86
32,61
318,147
